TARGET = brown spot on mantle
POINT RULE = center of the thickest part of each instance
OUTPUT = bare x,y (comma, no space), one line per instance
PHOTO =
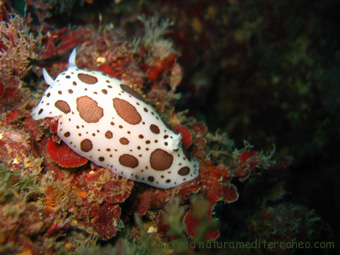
89,110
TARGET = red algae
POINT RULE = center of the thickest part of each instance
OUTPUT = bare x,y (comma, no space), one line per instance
63,155
2,88
186,135
193,223
157,66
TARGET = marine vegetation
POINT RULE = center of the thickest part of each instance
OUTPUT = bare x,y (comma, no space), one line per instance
162,187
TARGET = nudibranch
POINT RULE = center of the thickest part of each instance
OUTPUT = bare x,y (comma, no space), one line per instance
109,123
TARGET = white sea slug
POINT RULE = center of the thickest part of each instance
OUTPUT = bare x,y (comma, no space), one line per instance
110,124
